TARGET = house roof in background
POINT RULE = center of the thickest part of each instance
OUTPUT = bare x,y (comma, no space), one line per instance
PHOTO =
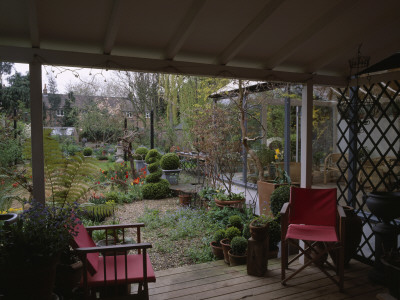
275,40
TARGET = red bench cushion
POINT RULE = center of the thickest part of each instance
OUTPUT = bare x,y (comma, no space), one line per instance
83,240
135,270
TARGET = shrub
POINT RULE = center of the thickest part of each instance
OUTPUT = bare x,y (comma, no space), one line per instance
141,153
154,176
152,156
262,221
156,190
278,198
236,221
102,157
246,231
87,151
231,232
274,233
153,167
239,245
170,161
218,236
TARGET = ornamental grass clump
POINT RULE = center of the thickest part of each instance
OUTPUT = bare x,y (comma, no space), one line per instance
239,246
170,161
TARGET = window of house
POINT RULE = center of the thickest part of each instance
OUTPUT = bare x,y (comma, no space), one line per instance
147,115
60,113
129,114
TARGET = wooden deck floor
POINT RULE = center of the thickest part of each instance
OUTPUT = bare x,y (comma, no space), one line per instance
216,280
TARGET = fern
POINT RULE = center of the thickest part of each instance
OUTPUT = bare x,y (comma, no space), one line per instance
67,179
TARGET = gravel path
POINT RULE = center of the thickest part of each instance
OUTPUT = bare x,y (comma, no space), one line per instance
164,254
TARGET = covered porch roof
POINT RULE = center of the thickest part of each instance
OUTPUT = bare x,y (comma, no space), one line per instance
275,40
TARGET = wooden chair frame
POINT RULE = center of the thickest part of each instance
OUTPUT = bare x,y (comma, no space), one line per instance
115,251
328,246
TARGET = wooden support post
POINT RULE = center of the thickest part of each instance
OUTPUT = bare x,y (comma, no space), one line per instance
257,260
35,72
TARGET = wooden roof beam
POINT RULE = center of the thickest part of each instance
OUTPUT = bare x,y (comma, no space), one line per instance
33,24
292,45
113,25
184,29
239,41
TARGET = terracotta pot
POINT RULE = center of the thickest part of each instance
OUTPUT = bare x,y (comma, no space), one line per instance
184,199
353,226
226,246
265,189
236,260
259,233
217,251
230,203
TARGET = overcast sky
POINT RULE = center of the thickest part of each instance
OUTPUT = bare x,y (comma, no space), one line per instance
65,75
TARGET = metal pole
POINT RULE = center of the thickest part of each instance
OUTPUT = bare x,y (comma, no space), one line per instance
287,134
151,129
244,152
297,132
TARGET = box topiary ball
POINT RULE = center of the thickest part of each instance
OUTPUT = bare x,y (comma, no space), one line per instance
170,161
87,151
231,232
141,153
239,245
156,190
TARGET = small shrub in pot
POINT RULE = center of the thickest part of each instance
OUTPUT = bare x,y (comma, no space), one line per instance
278,197
141,153
218,236
239,245
232,232
170,161
236,221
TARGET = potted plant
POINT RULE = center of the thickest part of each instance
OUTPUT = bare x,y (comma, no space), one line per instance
235,200
87,152
30,250
170,167
139,157
237,254
216,243
279,196
230,233
274,236
207,194
259,227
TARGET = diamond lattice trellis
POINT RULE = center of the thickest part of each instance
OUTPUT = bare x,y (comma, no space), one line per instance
369,142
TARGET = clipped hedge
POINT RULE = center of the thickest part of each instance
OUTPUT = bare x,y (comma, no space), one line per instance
170,161
156,190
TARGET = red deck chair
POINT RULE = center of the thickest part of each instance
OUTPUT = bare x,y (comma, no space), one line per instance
115,270
313,217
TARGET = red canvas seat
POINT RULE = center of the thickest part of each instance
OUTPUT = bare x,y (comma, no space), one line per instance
313,216
115,267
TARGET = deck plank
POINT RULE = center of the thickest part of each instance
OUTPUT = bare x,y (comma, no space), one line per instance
215,280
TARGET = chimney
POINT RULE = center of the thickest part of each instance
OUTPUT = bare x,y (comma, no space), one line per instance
45,90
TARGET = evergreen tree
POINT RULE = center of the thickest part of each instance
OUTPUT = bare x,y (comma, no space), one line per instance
70,111
17,91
